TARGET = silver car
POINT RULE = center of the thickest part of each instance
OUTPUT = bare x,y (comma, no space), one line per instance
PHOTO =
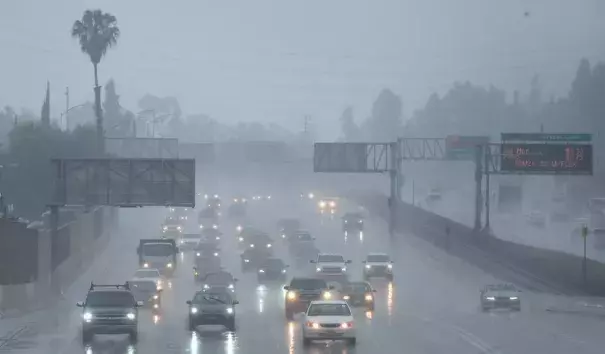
505,296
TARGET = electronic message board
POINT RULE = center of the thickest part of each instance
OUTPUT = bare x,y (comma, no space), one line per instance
546,158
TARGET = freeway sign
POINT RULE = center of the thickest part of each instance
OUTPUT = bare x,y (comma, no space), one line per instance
463,147
539,158
554,137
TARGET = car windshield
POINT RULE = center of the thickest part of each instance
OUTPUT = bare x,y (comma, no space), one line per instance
356,288
378,258
352,216
172,221
207,246
110,299
329,310
147,273
304,237
308,284
212,298
191,236
501,287
260,238
290,224
219,278
274,263
157,249
330,258
143,286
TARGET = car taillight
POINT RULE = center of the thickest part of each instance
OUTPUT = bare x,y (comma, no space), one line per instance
346,325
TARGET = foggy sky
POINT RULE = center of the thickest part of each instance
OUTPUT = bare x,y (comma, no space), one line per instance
277,60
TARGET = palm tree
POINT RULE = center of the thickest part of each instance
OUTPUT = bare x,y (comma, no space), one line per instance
96,32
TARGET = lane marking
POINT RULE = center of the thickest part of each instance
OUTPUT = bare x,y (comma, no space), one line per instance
467,336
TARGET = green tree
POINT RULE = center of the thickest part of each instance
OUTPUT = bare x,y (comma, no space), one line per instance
386,121
96,32
350,130
118,121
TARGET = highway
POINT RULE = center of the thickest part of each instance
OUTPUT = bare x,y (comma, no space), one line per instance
431,306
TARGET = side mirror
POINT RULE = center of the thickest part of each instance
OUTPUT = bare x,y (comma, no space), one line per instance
391,262
235,279
140,304
331,287
286,287
235,302
349,261
194,268
188,302
313,261
79,304
139,250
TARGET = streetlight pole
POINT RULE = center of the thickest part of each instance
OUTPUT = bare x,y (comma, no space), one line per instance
64,114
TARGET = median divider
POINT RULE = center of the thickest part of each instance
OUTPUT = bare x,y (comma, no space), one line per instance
541,269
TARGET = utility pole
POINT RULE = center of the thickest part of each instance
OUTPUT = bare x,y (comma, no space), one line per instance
66,107
307,120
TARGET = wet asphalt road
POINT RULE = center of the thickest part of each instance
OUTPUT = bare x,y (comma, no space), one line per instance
431,306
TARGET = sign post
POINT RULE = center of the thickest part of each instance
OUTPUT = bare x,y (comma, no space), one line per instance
584,265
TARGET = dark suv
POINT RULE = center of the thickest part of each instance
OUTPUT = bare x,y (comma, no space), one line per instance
212,308
109,309
302,291
352,222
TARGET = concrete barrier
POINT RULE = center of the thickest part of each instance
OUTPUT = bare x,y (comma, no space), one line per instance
547,269
89,233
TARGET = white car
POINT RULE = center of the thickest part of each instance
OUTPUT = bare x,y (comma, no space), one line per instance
149,274
190,241
330,264
329,319
378,265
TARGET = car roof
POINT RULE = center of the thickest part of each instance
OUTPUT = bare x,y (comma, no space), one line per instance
353,213
147,269
377,254
328,302
142,279
330,254
109,290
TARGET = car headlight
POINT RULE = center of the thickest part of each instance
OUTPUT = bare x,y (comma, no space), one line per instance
169,265
291,295
201,226
241,239
155,297
344,269
145,265
252,245
490,298
130,316
159,283
514,298
311,196
179,228
346,297
332,204
215,227
268,245
182,241
231,286
261,270
318,269
283,271
368,266
390,266
369,298
87,316
165,228
322,204
239,228
235,200
206,286
216,254
194,310
229,310
327,295
246,261
198,254
360,221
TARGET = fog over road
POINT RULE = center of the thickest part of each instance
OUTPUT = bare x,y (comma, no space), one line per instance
432,306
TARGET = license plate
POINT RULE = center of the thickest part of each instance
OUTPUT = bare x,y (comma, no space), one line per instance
330,334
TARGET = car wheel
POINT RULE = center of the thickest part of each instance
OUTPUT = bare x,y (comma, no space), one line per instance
230,325
134,336
353,341
87,337
306,342
191,325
